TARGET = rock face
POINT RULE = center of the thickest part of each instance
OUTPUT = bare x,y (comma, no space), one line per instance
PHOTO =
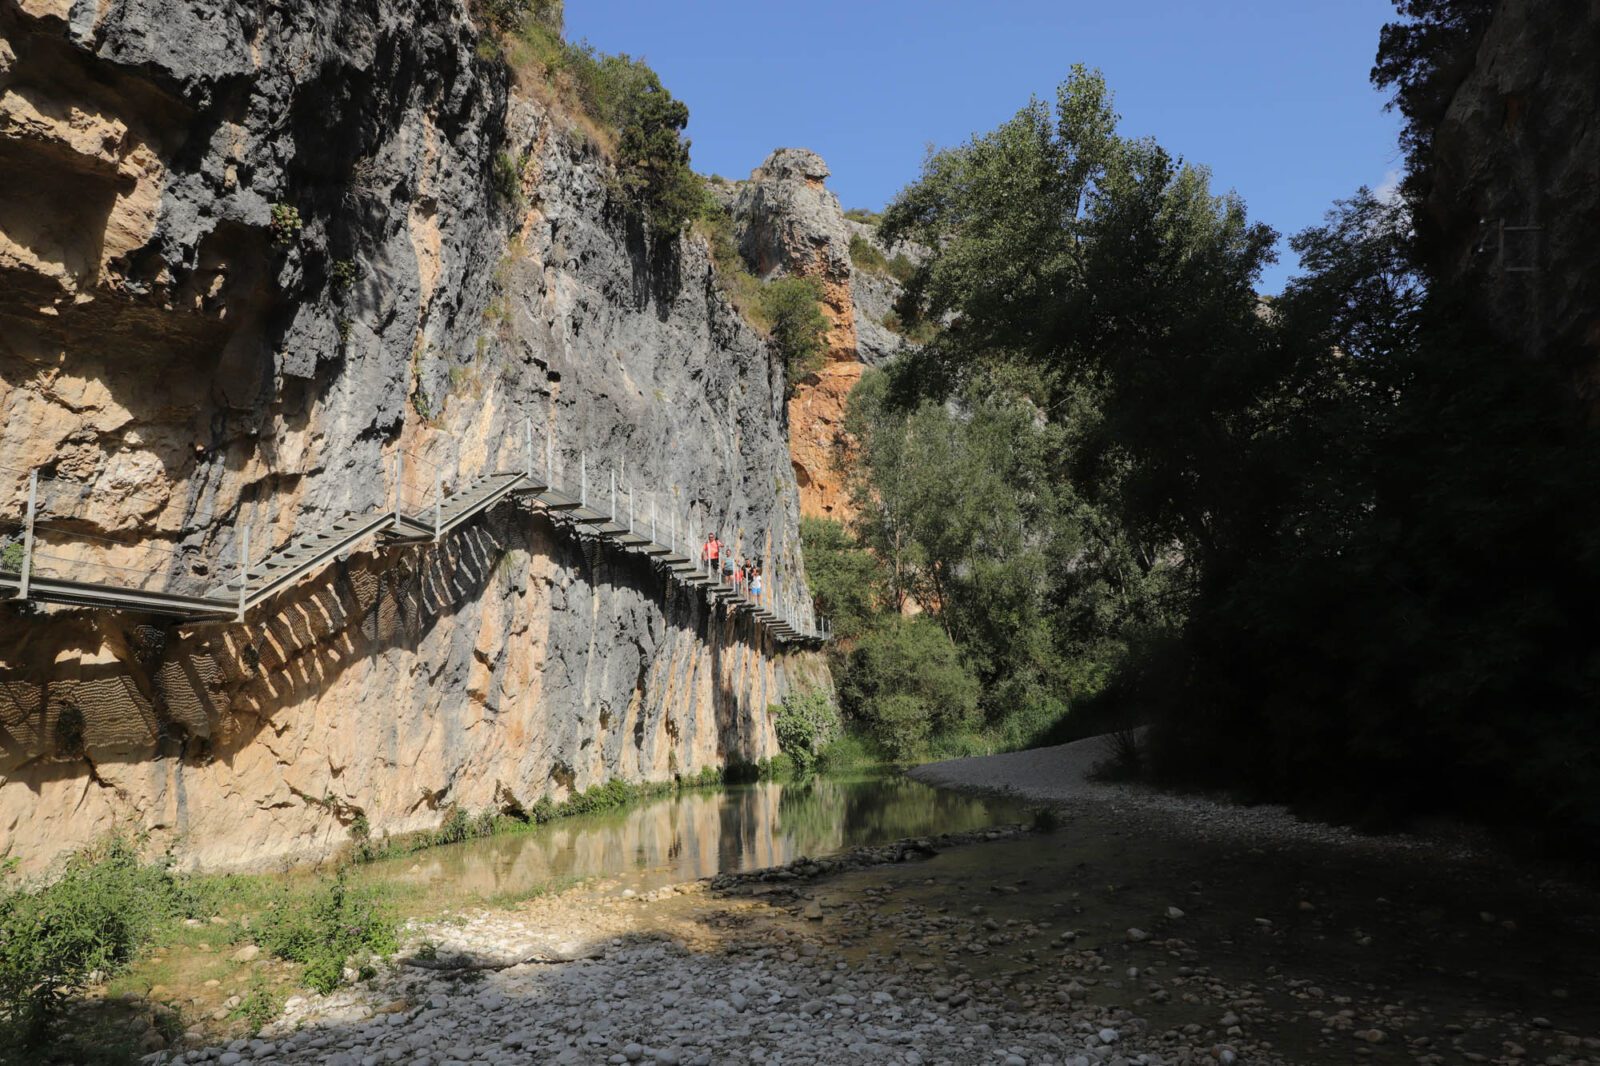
1519,147
259,254
790,223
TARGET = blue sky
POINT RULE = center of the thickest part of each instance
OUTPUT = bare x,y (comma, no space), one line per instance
1271,94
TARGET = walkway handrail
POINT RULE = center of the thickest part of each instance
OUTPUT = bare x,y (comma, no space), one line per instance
256,580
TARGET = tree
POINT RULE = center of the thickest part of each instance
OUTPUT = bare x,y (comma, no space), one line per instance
905,681
798,327
845,579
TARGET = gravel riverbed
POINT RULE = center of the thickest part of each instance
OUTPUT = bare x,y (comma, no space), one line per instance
1147,930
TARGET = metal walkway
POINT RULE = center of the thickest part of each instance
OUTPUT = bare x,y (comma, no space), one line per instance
30,574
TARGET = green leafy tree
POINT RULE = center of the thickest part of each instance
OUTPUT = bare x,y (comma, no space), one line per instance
905,682
846,580
798,327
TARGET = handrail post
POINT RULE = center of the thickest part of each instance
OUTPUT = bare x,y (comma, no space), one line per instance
613,515
27,533
244,568
630,508
583,477
438,504
549,459
653,518
527,437
399,483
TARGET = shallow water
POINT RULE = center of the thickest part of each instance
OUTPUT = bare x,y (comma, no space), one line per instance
689,835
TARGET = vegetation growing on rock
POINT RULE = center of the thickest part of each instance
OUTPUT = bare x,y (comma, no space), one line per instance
617,99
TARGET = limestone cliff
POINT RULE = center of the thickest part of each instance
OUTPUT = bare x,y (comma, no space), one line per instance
790,223
252,255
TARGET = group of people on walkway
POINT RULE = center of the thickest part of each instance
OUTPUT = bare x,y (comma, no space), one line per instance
743,574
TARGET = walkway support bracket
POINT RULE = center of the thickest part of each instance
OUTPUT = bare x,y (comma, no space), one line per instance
244,570
27,532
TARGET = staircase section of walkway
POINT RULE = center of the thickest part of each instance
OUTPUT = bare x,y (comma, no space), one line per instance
256,581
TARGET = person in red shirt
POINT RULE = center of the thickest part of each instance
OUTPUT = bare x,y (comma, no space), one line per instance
711,554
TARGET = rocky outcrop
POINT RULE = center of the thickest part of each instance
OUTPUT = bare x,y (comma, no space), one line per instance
261,253
789,222
1519,147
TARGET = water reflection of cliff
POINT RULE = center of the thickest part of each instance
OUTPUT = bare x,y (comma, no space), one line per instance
697,834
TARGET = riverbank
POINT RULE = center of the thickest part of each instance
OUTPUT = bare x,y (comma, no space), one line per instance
1065,776
1123,937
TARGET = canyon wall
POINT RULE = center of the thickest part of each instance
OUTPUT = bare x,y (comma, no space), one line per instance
264,266
1515,194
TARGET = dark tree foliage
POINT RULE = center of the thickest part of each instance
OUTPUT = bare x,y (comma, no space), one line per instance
1422,58
1381,527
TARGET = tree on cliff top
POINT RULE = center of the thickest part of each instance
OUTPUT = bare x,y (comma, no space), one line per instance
622,102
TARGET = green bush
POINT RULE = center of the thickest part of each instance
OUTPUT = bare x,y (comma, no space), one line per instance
906,681
95,917
806,723
11,557
799,328
861,214
325,929
866,256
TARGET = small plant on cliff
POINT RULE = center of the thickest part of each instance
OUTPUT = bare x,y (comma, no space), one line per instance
342,274
93,919
11,557
806,723
507,181
285,224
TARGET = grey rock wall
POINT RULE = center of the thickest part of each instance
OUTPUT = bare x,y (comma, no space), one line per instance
195,366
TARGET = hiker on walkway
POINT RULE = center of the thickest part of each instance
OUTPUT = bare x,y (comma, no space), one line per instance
711,554
755,583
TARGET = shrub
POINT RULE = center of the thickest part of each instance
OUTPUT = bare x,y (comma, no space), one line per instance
11,557
507,180
799,328
920,332
508,15
905,681
861,214
806,723
94,917
866,256
323,930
